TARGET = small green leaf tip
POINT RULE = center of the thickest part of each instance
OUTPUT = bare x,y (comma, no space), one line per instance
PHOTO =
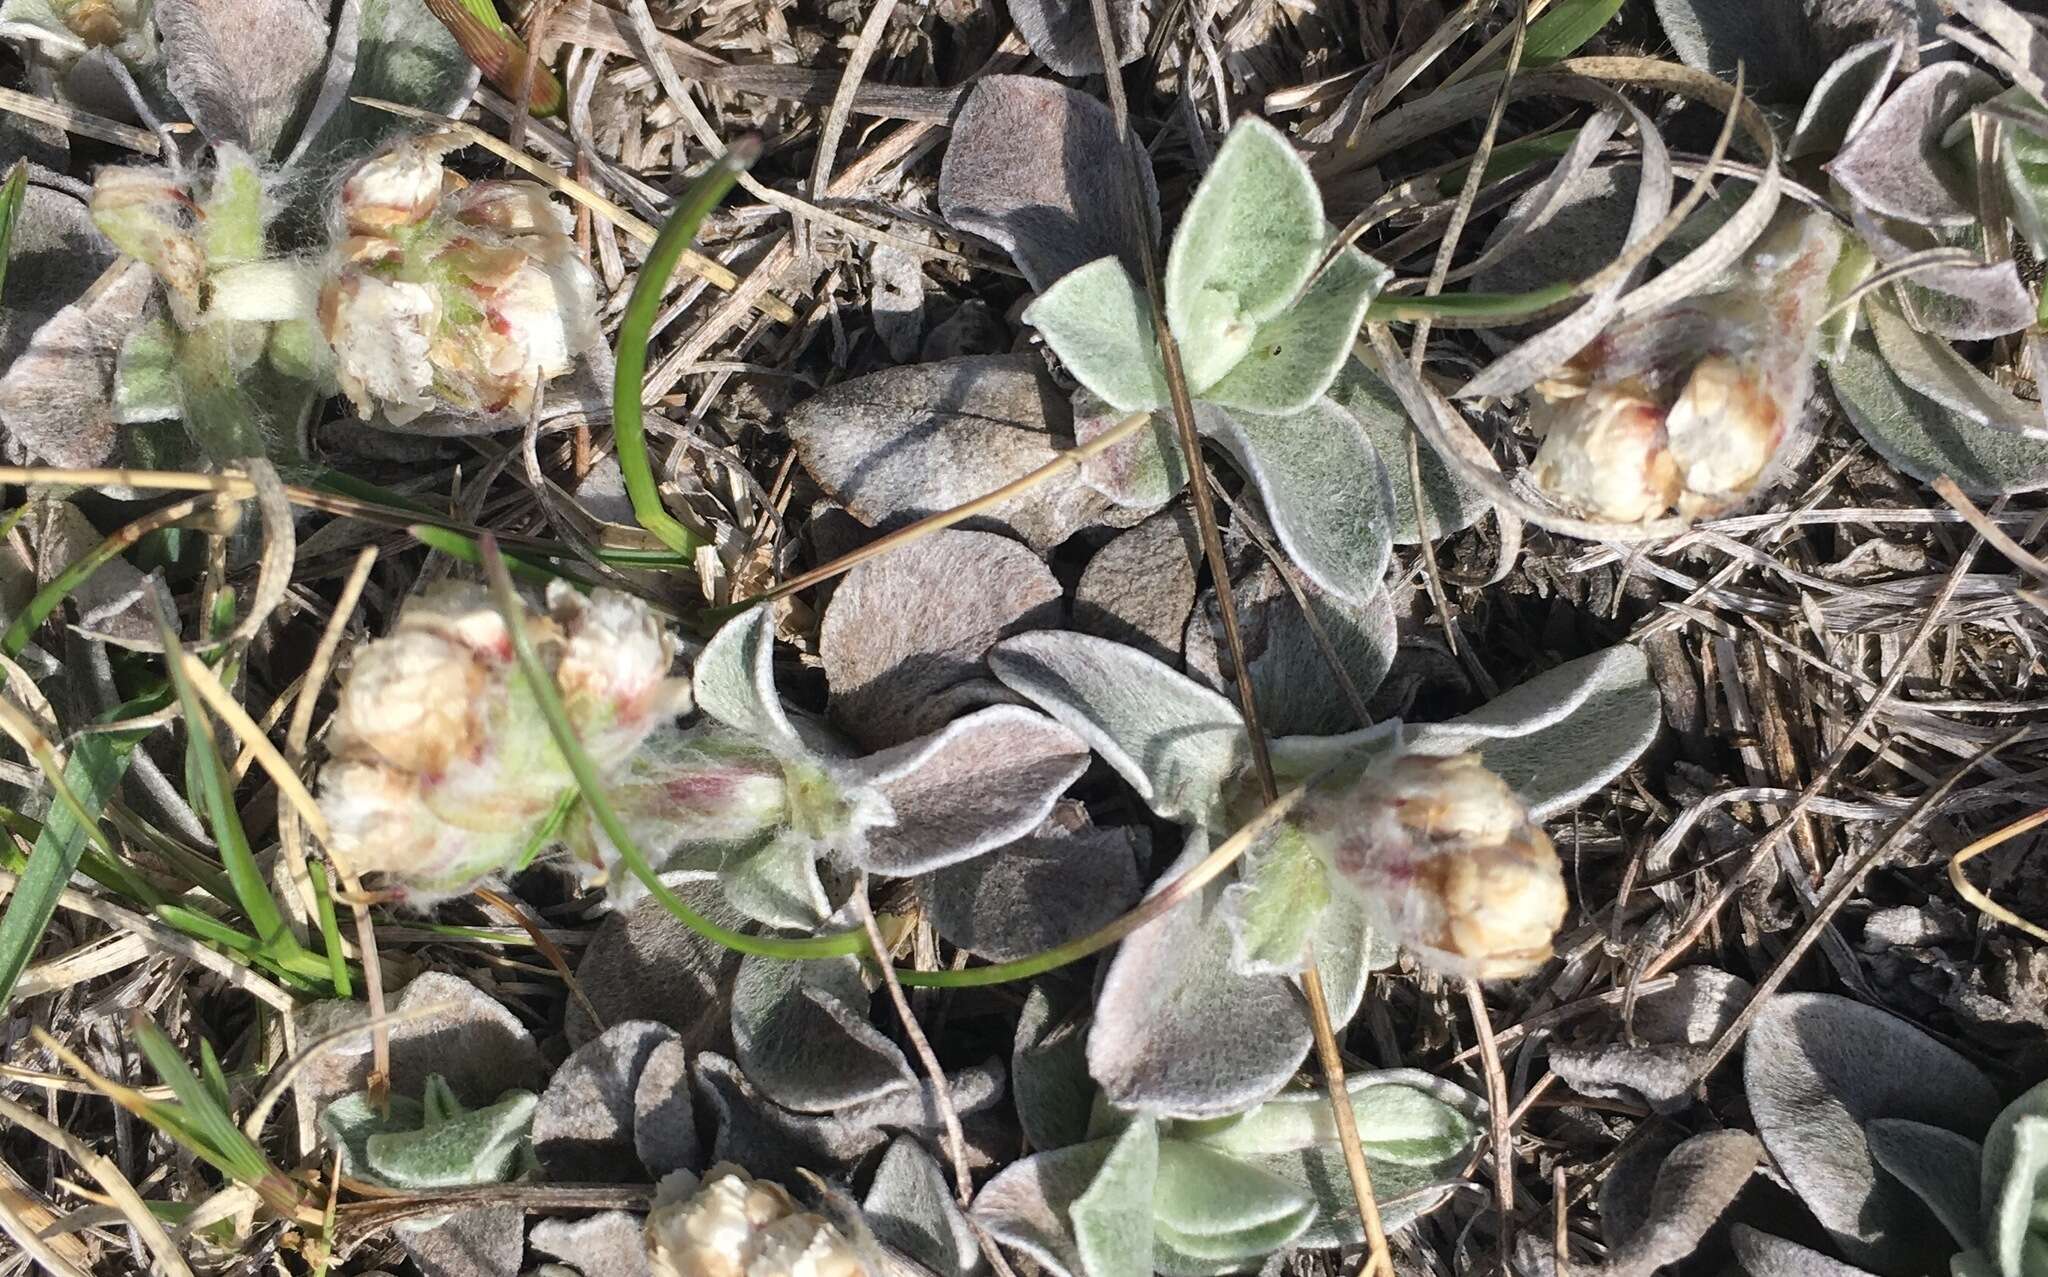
434,1142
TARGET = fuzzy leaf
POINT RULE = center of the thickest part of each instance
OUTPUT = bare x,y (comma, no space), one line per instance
1027,1206
644,963
1695,1186
1941,1167
619,1098
1926,440
1563,734
453,1148
1274,906
1291,650
1818,1068
769,1140
1175,741
1323,487
1964,303
1032,168
56,399
244,71
1057,883
397,51
1451,502
777,883
1211,1213
1931,368
1295,356
610,1243
1659,1064
904,636
2024,161
2015,1181
349,1121
803,1036
1896,165
1096,319
1062,32
146,382
898,445
1121,1192
54,254
734,681
910,1206
1845,97
1049,1071
1397,1123
1763,1255
1139,589
1179,1032
1246,245
980,782
1772,44
1144,471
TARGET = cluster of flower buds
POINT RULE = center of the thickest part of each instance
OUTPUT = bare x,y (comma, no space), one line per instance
442,768
451,296
1687,408
732,1225
1446,859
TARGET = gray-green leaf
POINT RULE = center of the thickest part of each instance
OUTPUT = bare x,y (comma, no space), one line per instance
1097,320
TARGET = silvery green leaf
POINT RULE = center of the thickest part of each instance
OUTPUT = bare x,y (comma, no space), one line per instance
769,1140
734,681
453,1148
904,635
903,443
1027,1205
1845,97
1178,1031
243,71
1563,734
2024,161
976,784
777,883
1695,1186
1940,1166
1896,164
802,1034
1451,502
1323,488
1297,758
1771,43
1121,1194
1032,167
56,398
1214,1214
2015,1182
1175,741
1062,33
146,382
1930,367
619,1099
910,1206
353,1119
390,49
1763,1255
1398,1123
1926,440
1818,1068
1144,471
1971,302
1139,589
1097,320
1246,245
1295,356
1348,951
1059,882
1274,906
1049,1070
1291,651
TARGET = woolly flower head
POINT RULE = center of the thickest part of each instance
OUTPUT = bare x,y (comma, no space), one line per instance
730,1224
1688,408
442,767
1448,859
451,296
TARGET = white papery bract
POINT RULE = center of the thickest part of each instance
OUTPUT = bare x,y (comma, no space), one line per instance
730,1224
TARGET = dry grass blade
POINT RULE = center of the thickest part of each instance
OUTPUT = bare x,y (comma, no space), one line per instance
1975,895
256,741
83,123
109,1176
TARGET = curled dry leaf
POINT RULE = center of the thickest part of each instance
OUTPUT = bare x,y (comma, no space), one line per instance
905,634
1695,1187
1763,1255
897,445
1659,1062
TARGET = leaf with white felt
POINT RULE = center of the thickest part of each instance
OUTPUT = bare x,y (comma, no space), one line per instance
2015,1183
611,1243
2023,160
54,253
1179,1031
1175,741
777,883
1845,97
734,681
1296,355
350,1120
1659,1062
1291,652
1397,1123
618,1098
1143,471
1250,238
1323,487
1274,906
769,1140
1974,301
1896,163
803,1037
147,386
1926,440
243,68
904,635
1763,1255
1097,320
1049,1070
1931,368
1772,44
1695,1186
1026,1206
1818,1068
56,398
1451,502
1121,1193
1032,167
1059,882
1563,734
974,785
1062,32
1940,1166
1139,589
1214,1214
910,1206
390,49
452,1147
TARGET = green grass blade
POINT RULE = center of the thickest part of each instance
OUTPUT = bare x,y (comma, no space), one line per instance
456,545
52,596
629,428
1563,28
12,192
330,936
215,1135
1504,308
592,790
